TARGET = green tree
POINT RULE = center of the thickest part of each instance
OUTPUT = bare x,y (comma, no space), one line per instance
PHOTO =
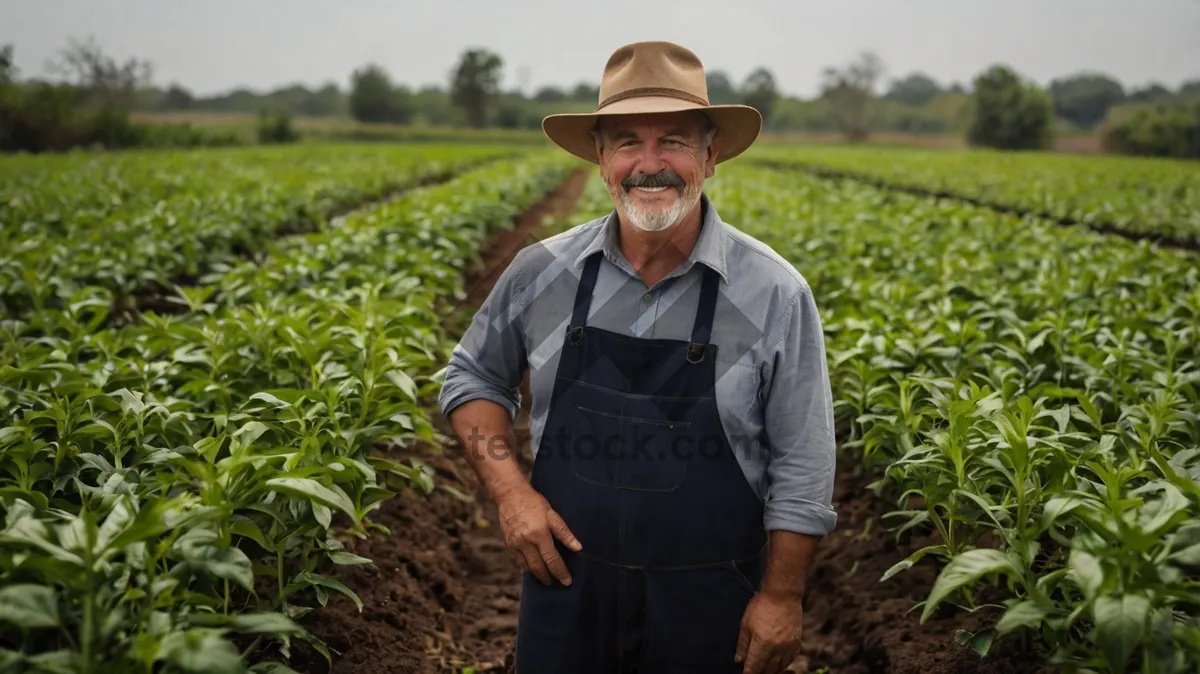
374,99
324,102
434,107
720,88
8,68
177,98
550,95
102,81
760,92
586,92
1085,98
1009,113
851,98
915,89
475,82
1151,93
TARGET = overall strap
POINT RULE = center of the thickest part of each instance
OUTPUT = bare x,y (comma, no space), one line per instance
583,296
707,307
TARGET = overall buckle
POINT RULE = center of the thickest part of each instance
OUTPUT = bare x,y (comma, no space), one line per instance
575,335
695,352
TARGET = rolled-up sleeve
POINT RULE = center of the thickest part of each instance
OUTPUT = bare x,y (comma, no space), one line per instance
489,360
798,412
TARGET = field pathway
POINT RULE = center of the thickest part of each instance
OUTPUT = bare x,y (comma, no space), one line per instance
443,593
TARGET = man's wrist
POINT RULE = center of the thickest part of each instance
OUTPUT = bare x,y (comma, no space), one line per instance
503,487
783,592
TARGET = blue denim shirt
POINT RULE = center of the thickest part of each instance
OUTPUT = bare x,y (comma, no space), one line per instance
772,387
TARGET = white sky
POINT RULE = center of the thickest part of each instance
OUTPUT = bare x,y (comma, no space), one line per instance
213,46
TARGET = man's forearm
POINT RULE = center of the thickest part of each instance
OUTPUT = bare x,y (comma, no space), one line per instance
483,428
789,558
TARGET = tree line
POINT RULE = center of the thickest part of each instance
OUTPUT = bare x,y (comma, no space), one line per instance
999,108
473,97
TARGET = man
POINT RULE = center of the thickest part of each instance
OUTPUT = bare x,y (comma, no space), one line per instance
682,421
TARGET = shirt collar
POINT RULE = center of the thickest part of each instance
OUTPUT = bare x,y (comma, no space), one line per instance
709,249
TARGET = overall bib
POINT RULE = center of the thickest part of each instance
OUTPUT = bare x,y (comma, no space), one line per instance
635,459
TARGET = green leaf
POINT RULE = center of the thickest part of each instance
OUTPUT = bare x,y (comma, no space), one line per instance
54,662
343,557
271,668
1025,613
29,606
908,562
1189,556
309,489
269,399
404,382
9,660
1120,627
202,550
249,432
1086,573
200,651
249,623
981,643
966,568
308,579
131,402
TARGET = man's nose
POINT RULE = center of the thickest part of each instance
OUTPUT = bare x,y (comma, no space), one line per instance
650,159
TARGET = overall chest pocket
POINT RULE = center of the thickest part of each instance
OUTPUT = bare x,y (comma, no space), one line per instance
611,450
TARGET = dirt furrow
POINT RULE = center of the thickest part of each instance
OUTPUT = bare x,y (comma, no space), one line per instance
443,595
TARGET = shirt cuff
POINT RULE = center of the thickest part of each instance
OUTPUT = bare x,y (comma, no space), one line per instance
453,396
799,516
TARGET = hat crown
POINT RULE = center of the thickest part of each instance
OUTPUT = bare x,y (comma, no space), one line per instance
653,69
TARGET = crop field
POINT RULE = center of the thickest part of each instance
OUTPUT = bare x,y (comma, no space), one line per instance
219,450
1141,197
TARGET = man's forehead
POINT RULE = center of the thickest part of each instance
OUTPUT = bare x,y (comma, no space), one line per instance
683,121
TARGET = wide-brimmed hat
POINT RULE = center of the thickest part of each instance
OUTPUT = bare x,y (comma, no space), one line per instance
654,77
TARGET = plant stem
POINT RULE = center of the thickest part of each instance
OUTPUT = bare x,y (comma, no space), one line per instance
279,600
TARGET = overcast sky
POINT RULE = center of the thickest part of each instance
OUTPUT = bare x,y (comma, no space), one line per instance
213,46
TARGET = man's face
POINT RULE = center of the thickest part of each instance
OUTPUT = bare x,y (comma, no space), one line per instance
655,166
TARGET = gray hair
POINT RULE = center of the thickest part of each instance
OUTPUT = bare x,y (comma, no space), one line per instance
709,132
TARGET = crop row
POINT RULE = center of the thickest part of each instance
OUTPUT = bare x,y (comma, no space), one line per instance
139,222
1141,196
172,490
1028,391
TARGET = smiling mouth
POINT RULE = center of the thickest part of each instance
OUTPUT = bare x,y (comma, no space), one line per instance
651,189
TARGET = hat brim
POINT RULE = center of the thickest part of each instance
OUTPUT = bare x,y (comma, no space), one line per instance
738,125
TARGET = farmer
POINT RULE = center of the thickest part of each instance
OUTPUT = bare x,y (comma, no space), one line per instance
681,415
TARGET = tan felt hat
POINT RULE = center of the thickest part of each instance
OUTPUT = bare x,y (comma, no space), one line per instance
649,77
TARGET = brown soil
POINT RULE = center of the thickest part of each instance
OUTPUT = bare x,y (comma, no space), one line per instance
443,595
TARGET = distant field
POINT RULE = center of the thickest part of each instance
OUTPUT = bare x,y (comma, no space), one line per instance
342,128
1082,144
1138,196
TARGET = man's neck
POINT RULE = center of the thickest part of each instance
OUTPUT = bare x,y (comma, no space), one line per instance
656,254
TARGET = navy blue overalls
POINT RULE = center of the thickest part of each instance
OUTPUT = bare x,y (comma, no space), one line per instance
634,458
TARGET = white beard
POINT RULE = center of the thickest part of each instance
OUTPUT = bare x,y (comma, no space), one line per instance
658,221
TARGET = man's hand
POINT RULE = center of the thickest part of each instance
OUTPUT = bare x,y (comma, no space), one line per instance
529,526
769,639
